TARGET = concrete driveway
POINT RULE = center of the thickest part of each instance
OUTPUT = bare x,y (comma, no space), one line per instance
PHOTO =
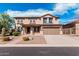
62,40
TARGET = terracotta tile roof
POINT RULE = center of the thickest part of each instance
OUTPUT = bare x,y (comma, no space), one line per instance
35,16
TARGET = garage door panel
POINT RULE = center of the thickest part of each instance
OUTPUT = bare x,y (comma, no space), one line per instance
51,31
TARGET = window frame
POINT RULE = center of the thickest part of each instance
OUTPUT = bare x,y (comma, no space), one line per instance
47,21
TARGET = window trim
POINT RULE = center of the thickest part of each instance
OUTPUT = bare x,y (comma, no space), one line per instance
47,20
19,21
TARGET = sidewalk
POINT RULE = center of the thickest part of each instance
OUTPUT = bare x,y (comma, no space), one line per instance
37,45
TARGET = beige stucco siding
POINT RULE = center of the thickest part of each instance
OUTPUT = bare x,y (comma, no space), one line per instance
55,21
77,28
26,21
39,21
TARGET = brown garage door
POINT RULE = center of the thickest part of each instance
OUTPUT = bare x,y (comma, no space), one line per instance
53,31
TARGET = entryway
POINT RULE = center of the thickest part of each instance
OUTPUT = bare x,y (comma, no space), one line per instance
33,29
28,30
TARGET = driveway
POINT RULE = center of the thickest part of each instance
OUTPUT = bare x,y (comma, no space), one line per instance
62,40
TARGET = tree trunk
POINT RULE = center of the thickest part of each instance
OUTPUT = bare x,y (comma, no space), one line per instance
3,32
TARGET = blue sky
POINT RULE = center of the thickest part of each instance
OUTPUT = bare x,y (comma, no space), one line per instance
25,6
66,11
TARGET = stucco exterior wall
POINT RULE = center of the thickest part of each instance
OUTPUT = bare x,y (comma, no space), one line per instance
77,28
26,21
55,21
38,20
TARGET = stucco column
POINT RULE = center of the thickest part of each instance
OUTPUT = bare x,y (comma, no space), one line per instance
22,32
55,21
77,29
31,31
61,30
47,20
41,30
70,30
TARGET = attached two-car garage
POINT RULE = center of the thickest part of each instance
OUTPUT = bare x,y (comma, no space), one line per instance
51,30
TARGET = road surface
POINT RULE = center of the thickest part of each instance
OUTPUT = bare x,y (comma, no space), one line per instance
39,51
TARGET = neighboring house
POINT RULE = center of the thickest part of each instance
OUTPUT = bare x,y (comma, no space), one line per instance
71,28
44,25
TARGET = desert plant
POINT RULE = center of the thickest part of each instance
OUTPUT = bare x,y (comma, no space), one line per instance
6,39
16,33
26,38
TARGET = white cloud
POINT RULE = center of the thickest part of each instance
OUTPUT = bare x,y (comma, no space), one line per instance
59,9
36,12
76,14
76,11
63,8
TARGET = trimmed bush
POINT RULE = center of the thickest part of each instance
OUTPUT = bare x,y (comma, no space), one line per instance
11,31
16,33
26,38
6,39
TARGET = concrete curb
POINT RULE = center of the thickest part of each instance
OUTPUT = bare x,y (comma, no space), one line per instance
36,45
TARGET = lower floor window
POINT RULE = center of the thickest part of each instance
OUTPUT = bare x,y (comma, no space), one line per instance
36,29
19,29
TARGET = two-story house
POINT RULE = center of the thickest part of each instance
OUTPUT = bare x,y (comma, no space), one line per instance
45,24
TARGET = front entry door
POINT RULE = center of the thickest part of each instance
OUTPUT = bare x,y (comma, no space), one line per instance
28,30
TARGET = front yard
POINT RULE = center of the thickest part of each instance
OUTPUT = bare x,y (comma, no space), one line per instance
19,40
51,40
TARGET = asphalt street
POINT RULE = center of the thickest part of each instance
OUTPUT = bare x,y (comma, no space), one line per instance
39,51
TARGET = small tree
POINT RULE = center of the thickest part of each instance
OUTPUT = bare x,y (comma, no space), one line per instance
6,22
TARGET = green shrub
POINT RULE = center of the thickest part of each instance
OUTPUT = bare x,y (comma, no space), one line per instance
16,33
11,31
6,39
26,38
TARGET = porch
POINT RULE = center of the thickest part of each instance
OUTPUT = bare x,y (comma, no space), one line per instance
32,30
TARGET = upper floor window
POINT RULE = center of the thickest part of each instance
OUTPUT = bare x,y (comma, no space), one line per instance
50,20
32,18
19,21
32,21
44,20
47,20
